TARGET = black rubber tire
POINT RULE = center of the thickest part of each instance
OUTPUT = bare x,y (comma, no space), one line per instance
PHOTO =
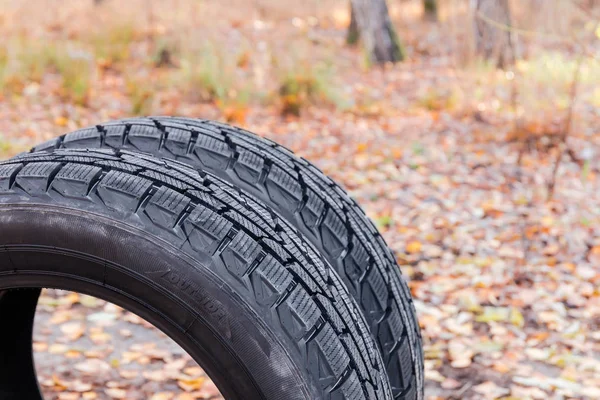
302,194
232,283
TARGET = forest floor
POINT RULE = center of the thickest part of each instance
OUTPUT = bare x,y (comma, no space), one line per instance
452,162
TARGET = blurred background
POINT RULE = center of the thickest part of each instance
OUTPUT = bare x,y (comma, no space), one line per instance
468,130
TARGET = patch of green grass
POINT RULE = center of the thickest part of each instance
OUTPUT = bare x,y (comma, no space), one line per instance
3,66
6,148
585,171
308,84
76,71
23,61
210,75
34,60
164,52
435,99
586,222
550,76
385,221
418,149
112,44
205,75
555,69
26,61
234,106
141,95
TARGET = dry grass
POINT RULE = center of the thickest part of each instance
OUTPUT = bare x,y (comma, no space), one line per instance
141,95
252,67
76,69
112,44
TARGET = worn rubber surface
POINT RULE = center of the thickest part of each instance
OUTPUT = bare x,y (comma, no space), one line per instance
301,194
258,262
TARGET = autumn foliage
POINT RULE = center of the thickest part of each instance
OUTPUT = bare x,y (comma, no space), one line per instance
484,181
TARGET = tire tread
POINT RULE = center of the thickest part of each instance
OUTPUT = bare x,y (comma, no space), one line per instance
288,281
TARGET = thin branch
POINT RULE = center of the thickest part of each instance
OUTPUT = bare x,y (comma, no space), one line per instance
511,28
567,128
569,119
536,34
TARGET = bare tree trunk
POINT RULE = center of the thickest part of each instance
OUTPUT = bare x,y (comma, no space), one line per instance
353,33
494,39
376,31
431,9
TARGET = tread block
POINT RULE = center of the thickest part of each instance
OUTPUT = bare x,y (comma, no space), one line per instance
83,138
333,314
305,274
89,154
145,138
261,210
48,145
169,179
213,153
75,180
177,141
356,354
270,280
7,176
123,192
283,189
312,210
374,296
327,357
206,229
165,207
405,361
118,165
356,262
248,166
334,234
391,330
399,367
350,389
114,135
206,198
35,178
246,223
278,249
411,392
378,286
240,254
298,313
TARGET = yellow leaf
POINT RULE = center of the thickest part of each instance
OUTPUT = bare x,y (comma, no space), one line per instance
362,147
61,121
493,314
191,384
413,246
341,18
516,318
72,354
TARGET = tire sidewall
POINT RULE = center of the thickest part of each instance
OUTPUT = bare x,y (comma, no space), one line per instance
219,329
